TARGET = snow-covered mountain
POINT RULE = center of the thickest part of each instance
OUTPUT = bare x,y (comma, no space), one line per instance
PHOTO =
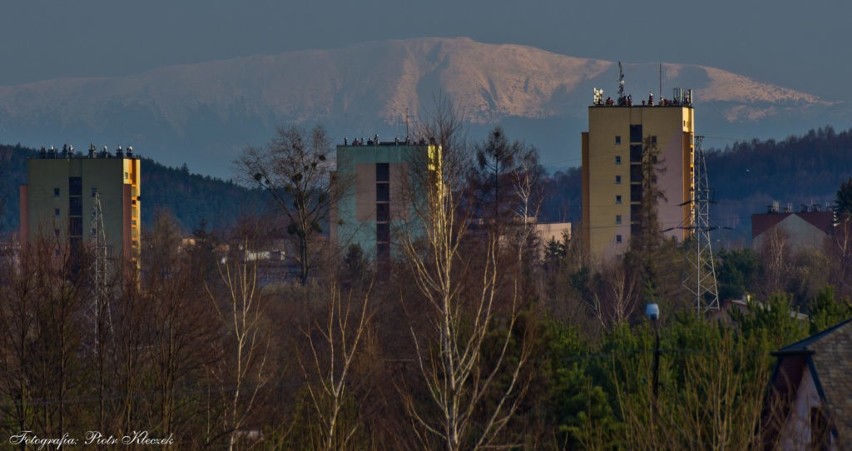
203,114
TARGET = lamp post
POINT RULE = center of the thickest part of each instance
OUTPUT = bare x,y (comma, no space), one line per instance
652,311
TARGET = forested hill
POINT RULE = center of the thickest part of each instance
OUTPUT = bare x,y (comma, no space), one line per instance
800,170
193,199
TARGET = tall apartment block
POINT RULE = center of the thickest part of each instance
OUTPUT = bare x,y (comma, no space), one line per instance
618,136
379,192
71,197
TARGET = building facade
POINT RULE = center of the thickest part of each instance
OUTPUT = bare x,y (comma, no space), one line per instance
612,171
380,193
72,198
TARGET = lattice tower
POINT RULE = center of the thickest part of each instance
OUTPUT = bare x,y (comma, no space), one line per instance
701,281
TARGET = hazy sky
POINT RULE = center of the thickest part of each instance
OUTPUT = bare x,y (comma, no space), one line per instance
801,45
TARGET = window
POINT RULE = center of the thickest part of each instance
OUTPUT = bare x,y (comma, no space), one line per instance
75,207
55,192
635,193
617,140
635,173
382,172
75,186
636,133
618,180
382,212
56,232
636,153
635,211
618,199
383,252
618,219
618,159
382,192
383,232
618,239
55,212
75,227
635,229
654,140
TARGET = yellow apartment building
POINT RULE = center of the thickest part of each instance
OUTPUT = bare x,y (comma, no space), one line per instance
612,151
59,201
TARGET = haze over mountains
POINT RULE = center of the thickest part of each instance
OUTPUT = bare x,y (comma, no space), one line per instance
203,114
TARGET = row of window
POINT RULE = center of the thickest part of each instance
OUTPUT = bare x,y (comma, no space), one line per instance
75,187
635,135
635,174
382,211
635,195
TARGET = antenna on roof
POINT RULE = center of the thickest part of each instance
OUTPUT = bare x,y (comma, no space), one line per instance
620,83
407,130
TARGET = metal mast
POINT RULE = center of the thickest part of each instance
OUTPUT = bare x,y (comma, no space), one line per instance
100,307
702,282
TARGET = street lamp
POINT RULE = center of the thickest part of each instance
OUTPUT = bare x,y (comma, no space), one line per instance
652,311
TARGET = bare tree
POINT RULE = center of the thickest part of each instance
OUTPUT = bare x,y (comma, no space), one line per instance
39,366
296,168
178,320
774,253
18,329
243,370
615,296
341,337
462,311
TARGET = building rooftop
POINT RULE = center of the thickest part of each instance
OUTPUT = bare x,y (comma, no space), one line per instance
374,141
680,98
68,152
761,222
831,354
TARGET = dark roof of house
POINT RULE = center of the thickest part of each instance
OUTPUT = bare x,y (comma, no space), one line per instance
831,354
822,220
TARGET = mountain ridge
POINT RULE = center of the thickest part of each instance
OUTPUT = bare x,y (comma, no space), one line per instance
214,108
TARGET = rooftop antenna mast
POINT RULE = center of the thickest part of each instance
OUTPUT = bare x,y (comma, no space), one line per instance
620,84
407,127
702,281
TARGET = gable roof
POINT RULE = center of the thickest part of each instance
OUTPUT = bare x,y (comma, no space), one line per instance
821,220
829,355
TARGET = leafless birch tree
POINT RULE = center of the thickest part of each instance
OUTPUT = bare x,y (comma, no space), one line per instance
243,370
462,310
341,337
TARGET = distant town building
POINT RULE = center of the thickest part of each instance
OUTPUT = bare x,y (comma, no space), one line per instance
800,230
70,198
380,191
553,231
620,133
